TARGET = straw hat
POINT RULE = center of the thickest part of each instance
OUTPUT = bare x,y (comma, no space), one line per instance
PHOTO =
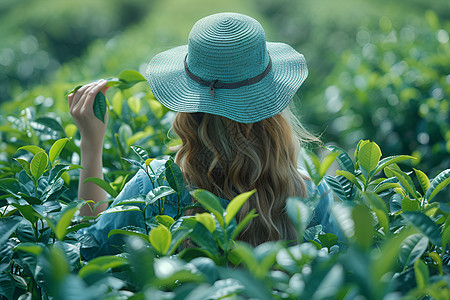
227,69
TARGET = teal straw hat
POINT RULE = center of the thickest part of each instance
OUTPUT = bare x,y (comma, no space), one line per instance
227,69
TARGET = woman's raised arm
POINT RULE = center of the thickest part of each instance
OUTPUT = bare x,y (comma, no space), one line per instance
92,132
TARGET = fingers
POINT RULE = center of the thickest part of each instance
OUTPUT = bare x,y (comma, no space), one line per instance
82,100
70,98
93,91
74,98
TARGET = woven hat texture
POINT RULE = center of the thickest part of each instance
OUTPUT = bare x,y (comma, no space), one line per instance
229,48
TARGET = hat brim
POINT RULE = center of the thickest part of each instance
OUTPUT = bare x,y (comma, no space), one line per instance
247,104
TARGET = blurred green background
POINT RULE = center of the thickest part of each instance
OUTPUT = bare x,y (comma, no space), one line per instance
379,70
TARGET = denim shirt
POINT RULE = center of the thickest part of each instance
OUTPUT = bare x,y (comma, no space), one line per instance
97,234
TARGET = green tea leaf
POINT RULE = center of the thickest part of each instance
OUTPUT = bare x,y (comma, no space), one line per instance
57,171
244,222
130,78
385,186
77,227
160,239
100,106
421,273
70,130
30,199
360,144
424,224
157,108
32,248
10,185
209,201
103,184
64,222
330,284
445,234
178,236
386,260
315,161
135,104
141,152
368,156
131,75
56,149
174,176
38,164
326,163
363,225
59,265
50,124
246,255
32,149
343,159
387,161
299,213
383,219
120,208
336,187
235,205
406,182
437,184
165,220
7,228
311,163
158,193
73,90
101,264
134,162
207,220
113,82
349,188
25,165
349,176
129,233
28,212
117,103
437,259
423,180
412,248
410,204
328,239
343,215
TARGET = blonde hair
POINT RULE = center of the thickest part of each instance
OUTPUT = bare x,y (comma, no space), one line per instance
228,158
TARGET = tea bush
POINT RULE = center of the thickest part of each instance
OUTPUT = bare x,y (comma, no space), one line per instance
377,69
394,87
394,241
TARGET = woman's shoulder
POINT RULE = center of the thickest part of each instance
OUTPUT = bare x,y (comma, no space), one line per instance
140,183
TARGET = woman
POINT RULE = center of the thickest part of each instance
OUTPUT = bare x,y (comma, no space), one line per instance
231,90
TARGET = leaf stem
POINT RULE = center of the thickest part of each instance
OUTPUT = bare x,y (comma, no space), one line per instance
35,189
36,234
143,215
178,205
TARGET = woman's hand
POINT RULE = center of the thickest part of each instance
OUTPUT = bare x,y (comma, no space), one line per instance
81,104
92,132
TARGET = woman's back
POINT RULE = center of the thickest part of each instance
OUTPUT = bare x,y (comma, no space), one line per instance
231,90
229,158
140,184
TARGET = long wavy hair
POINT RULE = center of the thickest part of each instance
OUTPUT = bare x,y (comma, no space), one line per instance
228,158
